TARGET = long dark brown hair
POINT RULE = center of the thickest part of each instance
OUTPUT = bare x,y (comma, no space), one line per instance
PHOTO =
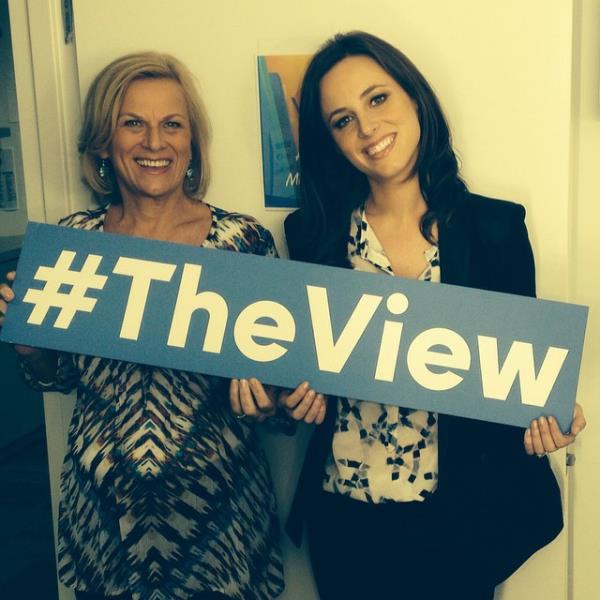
331,187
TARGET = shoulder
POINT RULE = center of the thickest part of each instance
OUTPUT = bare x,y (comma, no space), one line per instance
293,220
240,232
483,206
85,219
297,236
490,218
307,243
492,233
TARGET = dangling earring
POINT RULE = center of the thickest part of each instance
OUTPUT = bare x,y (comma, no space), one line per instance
103,168
190,173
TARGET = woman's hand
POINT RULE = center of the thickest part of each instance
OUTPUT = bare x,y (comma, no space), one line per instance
544,434
6,296
304,404
250,398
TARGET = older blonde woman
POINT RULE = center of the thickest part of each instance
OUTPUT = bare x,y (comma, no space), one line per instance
165,494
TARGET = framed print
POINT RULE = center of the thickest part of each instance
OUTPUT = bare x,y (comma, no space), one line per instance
279,81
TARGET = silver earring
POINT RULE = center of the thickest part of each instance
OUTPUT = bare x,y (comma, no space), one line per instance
103,168
190,173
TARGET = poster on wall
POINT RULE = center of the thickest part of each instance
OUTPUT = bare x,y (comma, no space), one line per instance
279,81
8,186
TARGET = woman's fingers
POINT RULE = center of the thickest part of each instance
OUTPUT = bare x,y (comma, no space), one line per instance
290,400
315,410
544,434
300,410
528,442
308,408
559,438
534,444
234,397
262,396
6,295
246,399
250,398
322,412
578,423
304,404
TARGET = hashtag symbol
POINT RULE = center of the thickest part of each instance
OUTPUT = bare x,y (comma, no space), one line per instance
71,301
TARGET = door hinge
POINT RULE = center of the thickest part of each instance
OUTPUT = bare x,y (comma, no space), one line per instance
67,14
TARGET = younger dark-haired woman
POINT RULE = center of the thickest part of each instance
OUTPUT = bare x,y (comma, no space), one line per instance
406,503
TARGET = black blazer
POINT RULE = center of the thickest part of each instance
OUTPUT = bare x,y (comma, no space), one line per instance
506,502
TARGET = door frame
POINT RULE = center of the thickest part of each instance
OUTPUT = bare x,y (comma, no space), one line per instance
48,100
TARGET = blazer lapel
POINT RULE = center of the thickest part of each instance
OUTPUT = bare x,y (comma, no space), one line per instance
455,249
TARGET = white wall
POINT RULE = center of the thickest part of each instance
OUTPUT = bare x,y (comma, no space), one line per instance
586,290
502,70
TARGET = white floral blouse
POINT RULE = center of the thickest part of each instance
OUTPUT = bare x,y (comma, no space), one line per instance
382,453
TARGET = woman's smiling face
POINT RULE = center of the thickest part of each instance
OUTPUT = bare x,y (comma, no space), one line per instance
371,118
150,148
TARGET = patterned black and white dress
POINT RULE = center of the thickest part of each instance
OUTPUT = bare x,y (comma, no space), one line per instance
164,492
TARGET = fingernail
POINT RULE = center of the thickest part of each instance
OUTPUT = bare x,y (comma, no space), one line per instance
543,421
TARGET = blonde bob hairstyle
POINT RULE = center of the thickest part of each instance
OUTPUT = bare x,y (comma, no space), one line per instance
101,110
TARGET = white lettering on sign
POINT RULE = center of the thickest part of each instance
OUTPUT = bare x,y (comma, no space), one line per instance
189,301
142,273
435,357
332,356
387,359
497,381
247,328
421,356
71,301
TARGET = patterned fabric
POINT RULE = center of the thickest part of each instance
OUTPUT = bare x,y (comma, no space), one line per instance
382,453
164,492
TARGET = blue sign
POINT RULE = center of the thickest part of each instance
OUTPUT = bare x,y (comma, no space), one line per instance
439,347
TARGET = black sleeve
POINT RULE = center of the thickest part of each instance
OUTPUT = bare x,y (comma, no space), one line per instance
502,256
295,237
519,267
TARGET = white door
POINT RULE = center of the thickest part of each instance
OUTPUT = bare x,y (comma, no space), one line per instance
502,72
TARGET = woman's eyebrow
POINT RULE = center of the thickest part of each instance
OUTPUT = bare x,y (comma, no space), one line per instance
363,94
371,88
